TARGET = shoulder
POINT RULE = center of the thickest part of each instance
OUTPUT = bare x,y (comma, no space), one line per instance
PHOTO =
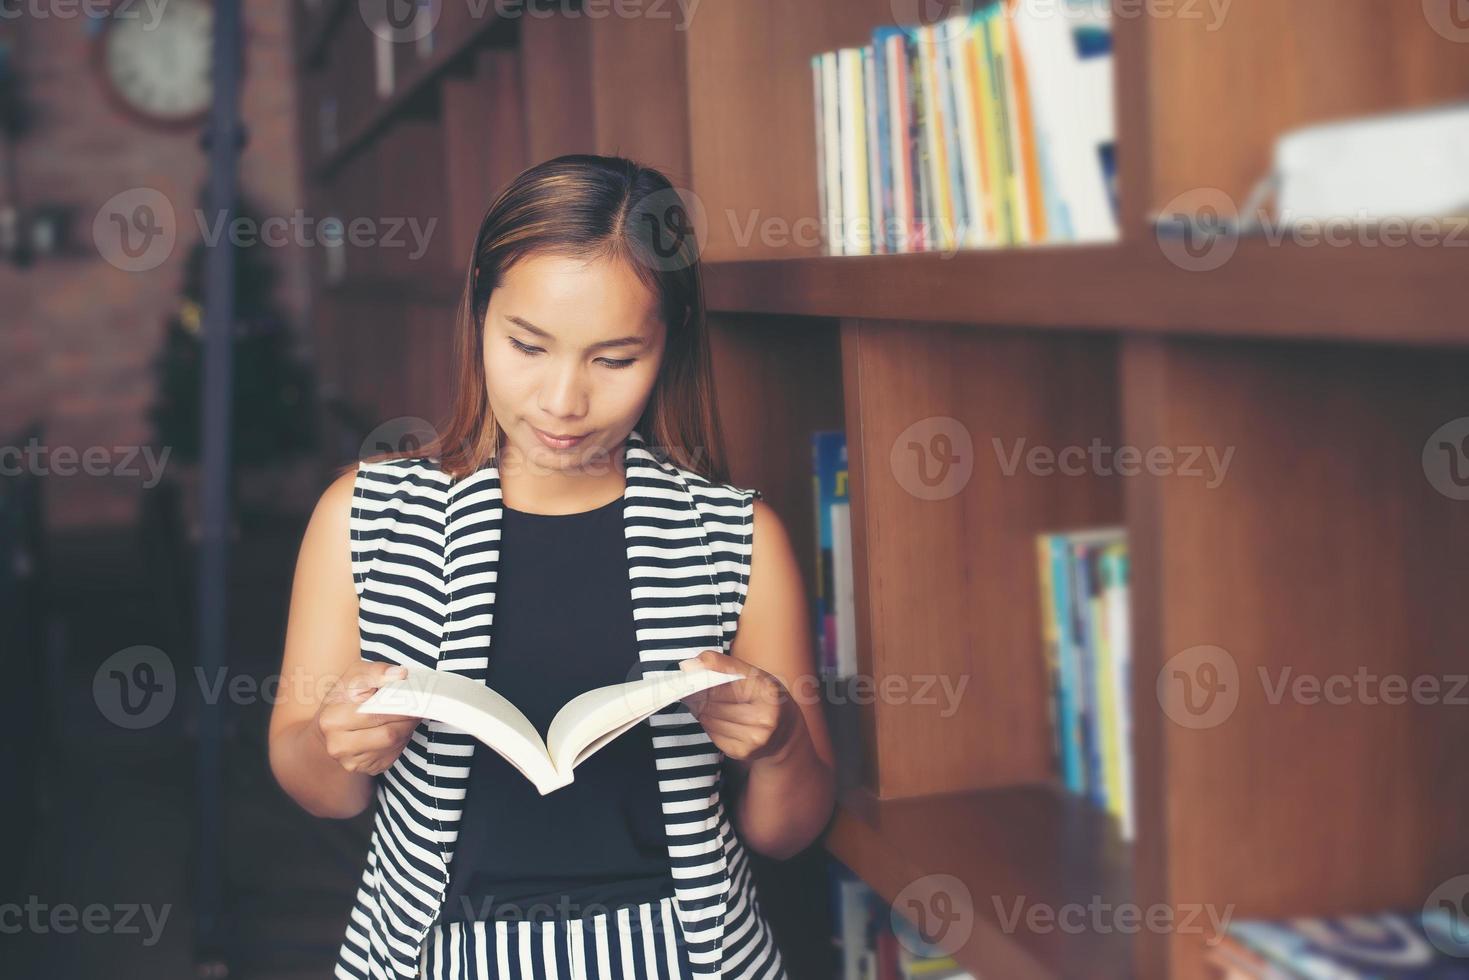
710,494
392,487
331,516
743,526
374,503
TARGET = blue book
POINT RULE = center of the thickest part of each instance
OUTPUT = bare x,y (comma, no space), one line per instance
829,485
885,146
1086,676
1069,666
949,51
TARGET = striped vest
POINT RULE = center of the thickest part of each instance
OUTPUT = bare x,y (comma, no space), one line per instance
424,553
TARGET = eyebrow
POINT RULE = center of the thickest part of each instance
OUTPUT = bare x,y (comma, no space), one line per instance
619,342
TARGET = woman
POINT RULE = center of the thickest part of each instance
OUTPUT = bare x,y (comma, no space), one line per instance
581,478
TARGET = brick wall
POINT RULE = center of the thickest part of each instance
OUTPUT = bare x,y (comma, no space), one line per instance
78,334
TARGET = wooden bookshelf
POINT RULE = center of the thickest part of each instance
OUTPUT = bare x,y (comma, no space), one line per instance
1032,846
1323,368
1408,295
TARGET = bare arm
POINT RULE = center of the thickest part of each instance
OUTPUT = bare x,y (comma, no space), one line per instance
785,798
324,755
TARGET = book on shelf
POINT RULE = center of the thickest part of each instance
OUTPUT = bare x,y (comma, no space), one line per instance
993,127
873,943
579,730
1086,634
834,609
1431,944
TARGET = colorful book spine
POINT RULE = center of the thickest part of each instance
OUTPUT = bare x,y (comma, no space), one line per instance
1069,676
893,42
1119,636
832,151
994,127
856,194
937,169
1086,635
874,150
1033,184
881,97
829,486
822,179
923,198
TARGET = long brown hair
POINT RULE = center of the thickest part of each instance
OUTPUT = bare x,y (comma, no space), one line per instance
585,206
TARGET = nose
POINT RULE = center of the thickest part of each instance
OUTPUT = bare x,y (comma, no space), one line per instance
564,393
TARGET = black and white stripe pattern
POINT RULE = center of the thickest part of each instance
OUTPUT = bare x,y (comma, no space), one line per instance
425,555
641,942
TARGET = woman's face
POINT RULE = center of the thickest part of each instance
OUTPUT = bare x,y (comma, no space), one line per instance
571,348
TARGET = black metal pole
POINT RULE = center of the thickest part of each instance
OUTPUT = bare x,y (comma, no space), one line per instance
223,142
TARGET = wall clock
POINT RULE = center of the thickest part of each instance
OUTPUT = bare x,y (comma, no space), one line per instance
153,61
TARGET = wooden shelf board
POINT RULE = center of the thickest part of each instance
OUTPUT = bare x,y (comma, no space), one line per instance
1025,847
1400,295
414,85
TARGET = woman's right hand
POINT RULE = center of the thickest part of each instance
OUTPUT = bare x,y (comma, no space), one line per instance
362,743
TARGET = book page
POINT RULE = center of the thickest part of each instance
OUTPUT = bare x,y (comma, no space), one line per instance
591,720
472,707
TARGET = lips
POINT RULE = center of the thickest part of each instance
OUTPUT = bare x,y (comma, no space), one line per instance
559,441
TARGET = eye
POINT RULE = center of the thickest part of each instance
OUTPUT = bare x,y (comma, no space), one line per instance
523,348
613,362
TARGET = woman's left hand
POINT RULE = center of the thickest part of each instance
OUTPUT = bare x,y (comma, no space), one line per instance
751,719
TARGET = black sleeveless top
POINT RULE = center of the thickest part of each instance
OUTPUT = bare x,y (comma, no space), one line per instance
563,625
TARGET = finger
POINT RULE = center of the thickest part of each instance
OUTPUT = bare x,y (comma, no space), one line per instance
695,702
716,661
728,713
346,716
735,734
404,729
373,674
752,688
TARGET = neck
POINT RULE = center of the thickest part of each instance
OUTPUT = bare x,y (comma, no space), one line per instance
535,488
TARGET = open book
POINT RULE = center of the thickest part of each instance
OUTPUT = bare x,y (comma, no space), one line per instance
582,726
